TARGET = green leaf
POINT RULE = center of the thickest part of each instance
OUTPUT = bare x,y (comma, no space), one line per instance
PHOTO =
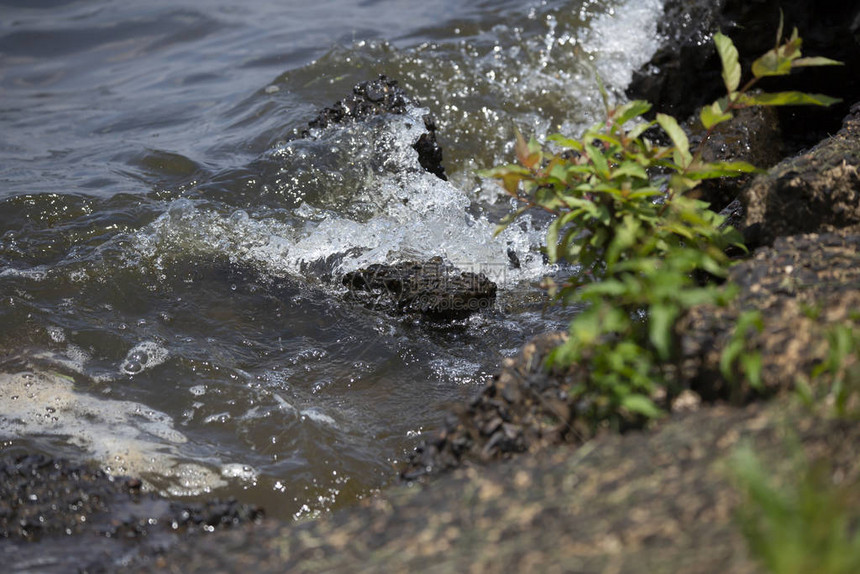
779,61
771,64
558,171
639,129
599,161
640,404
568,143
631,110
729,57
751,364
714,114
630,169
552,239
721,169
815,61
678,137
607,288
788,99
499,171
661,319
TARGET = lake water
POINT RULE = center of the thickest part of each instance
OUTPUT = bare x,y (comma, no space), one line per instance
165,241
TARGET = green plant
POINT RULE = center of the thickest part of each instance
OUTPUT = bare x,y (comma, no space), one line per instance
806,525
737,360
838,373
622,211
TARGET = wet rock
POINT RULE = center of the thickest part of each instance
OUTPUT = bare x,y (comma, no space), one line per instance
525,407
688,58
802,286
383,96
432,288
816,191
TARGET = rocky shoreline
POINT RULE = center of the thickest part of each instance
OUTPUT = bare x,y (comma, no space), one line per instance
517,485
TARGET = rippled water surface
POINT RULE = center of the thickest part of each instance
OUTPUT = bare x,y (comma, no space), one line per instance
167,243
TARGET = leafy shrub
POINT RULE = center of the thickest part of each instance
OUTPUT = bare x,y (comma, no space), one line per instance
622,212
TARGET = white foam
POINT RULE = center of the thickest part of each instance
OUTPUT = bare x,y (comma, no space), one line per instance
127,438
241,471
38,273
56,333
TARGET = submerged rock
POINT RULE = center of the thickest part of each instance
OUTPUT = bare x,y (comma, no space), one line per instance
383,96
432,288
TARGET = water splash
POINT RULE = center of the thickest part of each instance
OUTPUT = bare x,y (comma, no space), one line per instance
392,212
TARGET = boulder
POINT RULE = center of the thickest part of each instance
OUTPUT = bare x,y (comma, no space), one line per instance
432,288
753,136
816,191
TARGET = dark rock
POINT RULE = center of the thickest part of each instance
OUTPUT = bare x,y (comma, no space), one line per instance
734,213
753,136
688,58
433,288
523,408
814,192
377,97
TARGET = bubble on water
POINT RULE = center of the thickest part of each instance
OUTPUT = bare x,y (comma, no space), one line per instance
221,418
198,390
143,356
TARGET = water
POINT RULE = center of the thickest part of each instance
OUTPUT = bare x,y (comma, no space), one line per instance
166,243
